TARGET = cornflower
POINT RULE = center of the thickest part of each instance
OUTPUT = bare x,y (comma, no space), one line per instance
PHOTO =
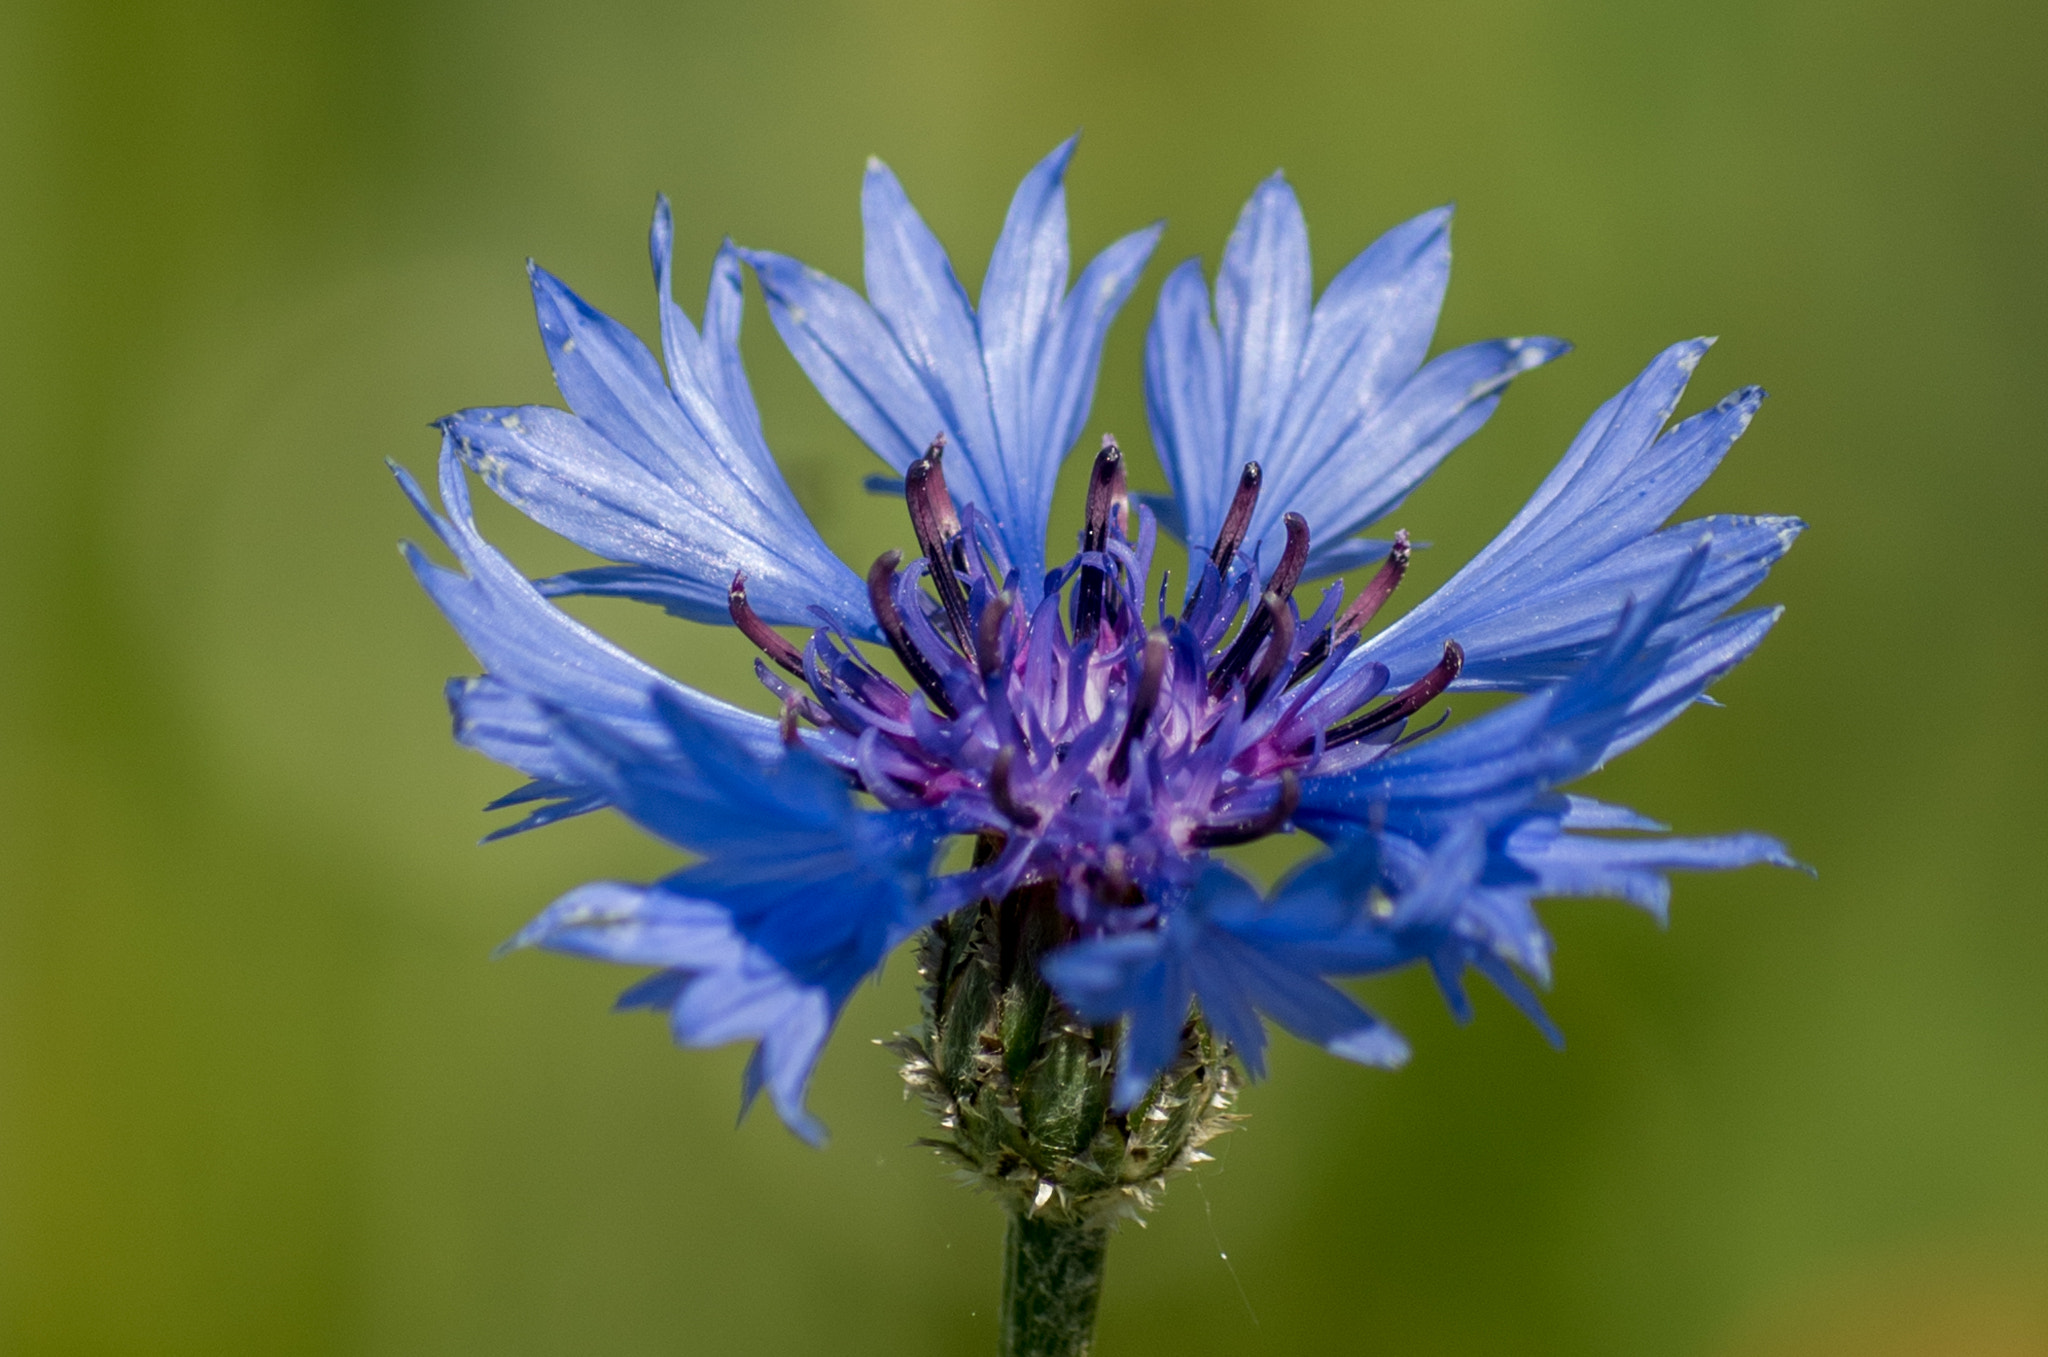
1096,977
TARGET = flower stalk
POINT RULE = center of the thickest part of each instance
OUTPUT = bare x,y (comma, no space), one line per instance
1052,1282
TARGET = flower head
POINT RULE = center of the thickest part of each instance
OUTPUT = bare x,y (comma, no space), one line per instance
1098,740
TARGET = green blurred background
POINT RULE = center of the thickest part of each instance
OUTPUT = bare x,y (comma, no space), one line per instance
263,1091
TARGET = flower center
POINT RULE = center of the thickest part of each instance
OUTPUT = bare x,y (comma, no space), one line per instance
1102,749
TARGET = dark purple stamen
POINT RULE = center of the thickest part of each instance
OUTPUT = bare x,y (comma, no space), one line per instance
1361,610
1406,703
1143,702
1119,491
946,519
1280,622
771,642
937,525
1293,560
1285,576
882,599
999,793
1377,590
1228,832
1102,486
1236,521
1238,518
988,638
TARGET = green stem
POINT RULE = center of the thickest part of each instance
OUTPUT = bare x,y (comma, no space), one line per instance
1052,1279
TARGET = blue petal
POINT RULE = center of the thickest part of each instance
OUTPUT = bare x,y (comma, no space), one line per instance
719,987
1517,991
1329,402
911,285
1370,470
1439,913
1583,812
668,591
1184,404
800,897
1220,949
535,654
1498,763
1683,676
1020,293
1526,630
703,790
674,478
1370,332
1263,293
1457,835
1136,977
1630,869
1041,346
705,372
1009,388
1348,554
851,357
1546,591
1064,385
1440,849
606,374
1299,1000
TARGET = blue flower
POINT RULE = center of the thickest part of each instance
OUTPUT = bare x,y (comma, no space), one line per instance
1095,744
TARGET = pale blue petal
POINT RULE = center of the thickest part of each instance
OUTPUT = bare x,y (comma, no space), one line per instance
1184,385
1370,332
1067,368
1632,868
1263,292
1009,388
608,376
536,655
670,476
1520,632
1348,553
1020,293
853,359
1374,466
1064,385
911,284
1546,591
1583,812
561,471
1335,404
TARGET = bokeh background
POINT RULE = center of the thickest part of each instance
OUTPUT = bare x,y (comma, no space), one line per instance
262,1089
